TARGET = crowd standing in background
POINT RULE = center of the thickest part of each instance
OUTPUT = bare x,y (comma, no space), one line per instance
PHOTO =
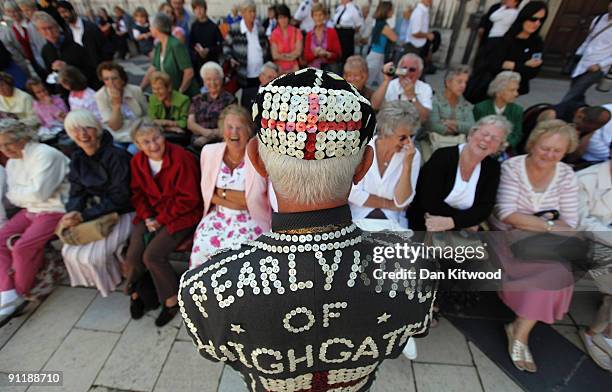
464,159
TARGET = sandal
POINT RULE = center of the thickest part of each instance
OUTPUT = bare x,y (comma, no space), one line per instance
519,352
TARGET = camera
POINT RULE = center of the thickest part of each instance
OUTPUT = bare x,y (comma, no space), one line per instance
397,71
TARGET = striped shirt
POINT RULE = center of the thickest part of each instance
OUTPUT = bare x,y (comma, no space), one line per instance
515,193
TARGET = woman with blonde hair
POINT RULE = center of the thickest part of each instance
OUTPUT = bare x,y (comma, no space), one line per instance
539,194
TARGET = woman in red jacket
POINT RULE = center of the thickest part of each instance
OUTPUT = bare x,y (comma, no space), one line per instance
166,196
322,47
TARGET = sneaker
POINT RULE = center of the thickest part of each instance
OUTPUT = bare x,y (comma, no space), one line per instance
597,355
410,350
166,315
12,309
137,308
600,341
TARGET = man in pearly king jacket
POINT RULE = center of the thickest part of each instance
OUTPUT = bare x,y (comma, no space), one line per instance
306,306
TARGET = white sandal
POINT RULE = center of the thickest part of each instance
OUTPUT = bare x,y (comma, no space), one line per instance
519,352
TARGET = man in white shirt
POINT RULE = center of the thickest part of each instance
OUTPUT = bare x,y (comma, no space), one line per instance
594,127
304,16
348,21
407,87
596,51
503,18
598,148
418,30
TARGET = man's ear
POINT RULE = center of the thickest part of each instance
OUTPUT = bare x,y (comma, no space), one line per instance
364,165
253,153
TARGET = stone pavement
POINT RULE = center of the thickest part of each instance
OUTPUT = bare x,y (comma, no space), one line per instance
100,349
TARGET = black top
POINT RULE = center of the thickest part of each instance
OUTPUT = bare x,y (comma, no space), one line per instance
436,181
208,35
100,184
305,309
72,54
93,41
249,95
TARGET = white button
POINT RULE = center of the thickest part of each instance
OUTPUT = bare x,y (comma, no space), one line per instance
301,136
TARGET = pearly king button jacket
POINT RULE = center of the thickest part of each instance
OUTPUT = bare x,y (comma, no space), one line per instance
306,311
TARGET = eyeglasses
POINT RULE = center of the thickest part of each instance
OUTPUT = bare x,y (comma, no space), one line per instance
535,19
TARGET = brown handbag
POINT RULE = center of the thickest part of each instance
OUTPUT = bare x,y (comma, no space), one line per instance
91,231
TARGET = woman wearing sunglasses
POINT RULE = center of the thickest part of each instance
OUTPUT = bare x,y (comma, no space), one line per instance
388,187
520,51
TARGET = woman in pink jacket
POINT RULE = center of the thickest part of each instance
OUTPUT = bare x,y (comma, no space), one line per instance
236,206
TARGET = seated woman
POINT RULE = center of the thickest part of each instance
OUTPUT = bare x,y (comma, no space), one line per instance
169,109
236,207
81,96
458,185
206,108
503,91
99,185
14,102
168,205
122,106
530,185
452,114
37,183
388,187
50,109
286,42
322,45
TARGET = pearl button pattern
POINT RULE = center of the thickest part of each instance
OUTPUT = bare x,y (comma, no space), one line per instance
329,122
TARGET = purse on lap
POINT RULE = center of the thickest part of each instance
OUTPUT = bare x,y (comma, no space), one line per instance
90,231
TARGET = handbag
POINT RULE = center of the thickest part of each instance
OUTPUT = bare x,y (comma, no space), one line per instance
549,246
435,141
91,231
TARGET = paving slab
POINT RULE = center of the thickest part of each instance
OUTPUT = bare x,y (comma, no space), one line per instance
80,357
231,381
492,377
39,337
183,336
447,378
138,357
444,344
571,334
9,329
584,307
186,371
395,375
111,314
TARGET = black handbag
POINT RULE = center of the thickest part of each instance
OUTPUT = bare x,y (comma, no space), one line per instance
571,64
549,246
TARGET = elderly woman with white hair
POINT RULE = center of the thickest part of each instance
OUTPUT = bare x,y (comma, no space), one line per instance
37,183
504,90
99,185
171,57
169,109
236,206
389,186
206,108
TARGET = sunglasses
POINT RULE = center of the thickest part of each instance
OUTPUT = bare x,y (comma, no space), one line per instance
535,19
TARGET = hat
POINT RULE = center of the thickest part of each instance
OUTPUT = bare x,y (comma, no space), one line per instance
313,114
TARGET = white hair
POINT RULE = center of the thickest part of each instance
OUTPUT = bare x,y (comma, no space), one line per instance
248,5
394,114
497,121
81,118
211,66
501,80
310,181
43,17
412,56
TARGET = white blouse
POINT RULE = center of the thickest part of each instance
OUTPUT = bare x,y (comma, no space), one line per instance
463,193
374,184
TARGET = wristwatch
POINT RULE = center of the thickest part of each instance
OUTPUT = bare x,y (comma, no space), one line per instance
549,225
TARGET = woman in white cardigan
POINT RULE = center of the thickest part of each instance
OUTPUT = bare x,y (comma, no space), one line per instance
37,182
388,187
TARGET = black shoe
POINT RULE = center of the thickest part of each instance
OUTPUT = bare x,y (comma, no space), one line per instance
137,308
166,315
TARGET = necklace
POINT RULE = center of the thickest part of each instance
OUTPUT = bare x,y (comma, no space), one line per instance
231,161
